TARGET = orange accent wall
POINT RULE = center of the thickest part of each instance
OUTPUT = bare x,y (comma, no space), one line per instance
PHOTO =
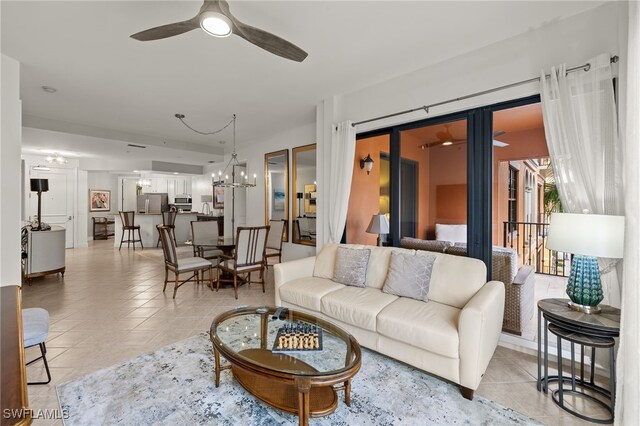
364,200
448,182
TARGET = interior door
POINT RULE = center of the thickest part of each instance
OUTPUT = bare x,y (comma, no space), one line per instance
58,202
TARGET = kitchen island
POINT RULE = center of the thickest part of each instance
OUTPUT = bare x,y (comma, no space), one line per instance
148,231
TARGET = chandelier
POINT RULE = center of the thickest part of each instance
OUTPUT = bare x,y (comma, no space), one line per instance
56,158
222,178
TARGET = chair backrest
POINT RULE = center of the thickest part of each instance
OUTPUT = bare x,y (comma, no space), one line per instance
311,224
168,244
127,218
204,231
169,218
296,229
251,243
276,234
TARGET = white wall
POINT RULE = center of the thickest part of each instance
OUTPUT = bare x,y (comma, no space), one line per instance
100,180
253,154
10,172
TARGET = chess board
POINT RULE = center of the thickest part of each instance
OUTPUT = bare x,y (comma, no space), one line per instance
298,337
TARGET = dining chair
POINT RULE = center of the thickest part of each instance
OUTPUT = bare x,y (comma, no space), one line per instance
128,224
248,257
35,323
197,265
203,235
169,220
303,228
274,242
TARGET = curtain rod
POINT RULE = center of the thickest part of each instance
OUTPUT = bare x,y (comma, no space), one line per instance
425,108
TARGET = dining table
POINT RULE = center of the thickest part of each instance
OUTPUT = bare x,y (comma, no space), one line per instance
225,244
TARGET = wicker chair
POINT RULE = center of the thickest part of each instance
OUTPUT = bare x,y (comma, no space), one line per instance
519,284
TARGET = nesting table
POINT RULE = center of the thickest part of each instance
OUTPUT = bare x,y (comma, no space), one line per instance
596,331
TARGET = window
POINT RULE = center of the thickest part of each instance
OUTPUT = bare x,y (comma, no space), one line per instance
513,199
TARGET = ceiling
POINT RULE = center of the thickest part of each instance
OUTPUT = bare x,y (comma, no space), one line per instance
107,82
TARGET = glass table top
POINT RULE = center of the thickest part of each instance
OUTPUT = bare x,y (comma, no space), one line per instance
249,336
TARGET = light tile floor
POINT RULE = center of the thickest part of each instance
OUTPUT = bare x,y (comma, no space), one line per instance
110,307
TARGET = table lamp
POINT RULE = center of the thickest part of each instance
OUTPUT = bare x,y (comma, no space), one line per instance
378,225
587,237
39,186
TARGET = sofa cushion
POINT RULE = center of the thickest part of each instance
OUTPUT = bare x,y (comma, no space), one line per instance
427,325
356,306
455,279
379,264
326,260
454,233
409,275
308,291
429,245
351,266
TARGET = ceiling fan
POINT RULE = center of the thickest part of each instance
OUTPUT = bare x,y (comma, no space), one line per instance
216,19
445,138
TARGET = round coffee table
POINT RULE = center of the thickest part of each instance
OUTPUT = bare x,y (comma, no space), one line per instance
301,382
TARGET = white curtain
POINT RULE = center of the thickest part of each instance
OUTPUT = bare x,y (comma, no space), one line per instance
582,134
341,154
628,367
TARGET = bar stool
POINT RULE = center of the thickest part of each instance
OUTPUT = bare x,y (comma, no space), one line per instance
128,224
168,220
35,323
578,386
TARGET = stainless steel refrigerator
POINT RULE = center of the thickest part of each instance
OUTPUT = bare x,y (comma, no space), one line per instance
153,203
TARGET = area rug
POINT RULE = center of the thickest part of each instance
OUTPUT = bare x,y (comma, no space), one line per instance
175,386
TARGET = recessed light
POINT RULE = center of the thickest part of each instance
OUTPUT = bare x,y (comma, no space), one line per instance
176,173
49,89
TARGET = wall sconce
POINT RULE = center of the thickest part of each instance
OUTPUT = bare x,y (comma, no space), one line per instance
367,163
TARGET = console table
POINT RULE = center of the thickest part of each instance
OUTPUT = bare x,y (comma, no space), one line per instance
45,253
101,229
596,331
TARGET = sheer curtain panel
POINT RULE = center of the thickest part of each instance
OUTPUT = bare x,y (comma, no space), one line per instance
581,127
628,360
341,156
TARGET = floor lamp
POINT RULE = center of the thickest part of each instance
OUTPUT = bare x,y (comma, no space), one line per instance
39,186
299,196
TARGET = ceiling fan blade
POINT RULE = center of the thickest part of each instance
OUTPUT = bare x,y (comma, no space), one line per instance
168,30
267,41
498,133
444,136
499,144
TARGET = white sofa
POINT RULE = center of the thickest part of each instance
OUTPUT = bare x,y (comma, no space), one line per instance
453,335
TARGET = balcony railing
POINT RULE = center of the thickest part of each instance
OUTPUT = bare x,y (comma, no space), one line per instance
529,240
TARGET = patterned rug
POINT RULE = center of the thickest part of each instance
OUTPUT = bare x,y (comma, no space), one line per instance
175,386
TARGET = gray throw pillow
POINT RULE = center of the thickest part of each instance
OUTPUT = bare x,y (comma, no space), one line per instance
351,266
409,275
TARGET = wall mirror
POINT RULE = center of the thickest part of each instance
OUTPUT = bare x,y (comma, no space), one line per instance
276,177
305,189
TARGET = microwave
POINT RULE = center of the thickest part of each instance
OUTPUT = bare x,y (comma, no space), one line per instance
182,199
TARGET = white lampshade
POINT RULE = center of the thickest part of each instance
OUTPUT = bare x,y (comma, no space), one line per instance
587,234
378,225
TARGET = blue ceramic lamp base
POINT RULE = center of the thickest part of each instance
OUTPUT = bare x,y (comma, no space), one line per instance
584,287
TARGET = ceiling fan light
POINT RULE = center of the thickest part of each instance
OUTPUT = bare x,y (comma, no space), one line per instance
215,24
447,143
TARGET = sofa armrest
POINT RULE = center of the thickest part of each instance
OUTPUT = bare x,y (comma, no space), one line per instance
289,271
525,275
479,329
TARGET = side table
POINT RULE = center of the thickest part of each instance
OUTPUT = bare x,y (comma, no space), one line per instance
591,330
